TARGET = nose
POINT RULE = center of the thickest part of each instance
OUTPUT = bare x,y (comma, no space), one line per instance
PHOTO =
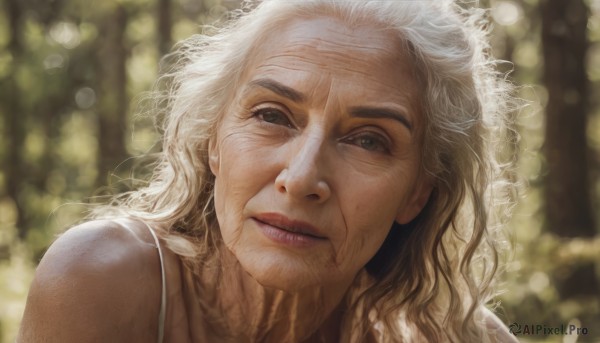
303,178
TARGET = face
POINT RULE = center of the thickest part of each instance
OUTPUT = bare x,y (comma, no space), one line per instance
318,154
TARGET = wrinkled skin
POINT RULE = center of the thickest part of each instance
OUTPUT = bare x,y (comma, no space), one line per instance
324,129
312,159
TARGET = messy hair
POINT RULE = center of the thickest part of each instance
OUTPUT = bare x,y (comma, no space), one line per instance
431,276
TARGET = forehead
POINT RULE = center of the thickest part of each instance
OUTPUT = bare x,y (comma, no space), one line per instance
328,40
307,51
328,34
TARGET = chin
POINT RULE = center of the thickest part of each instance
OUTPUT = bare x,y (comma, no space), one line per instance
277,273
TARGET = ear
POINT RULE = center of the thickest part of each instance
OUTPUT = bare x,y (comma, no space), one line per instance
417,201
213,156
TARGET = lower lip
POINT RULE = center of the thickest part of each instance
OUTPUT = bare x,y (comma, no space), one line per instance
286,237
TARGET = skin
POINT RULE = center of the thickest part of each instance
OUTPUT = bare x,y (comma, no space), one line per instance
296,156
313,157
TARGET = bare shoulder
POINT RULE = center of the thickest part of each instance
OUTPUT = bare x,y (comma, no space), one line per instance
498,332
100,281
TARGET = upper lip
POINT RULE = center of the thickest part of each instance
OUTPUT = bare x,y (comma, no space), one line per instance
283,222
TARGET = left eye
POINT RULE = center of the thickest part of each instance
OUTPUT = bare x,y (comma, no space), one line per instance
273,116
369,142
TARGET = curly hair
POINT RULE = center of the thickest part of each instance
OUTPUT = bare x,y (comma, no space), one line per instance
432,276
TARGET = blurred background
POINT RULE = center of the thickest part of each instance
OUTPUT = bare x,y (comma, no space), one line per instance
72,73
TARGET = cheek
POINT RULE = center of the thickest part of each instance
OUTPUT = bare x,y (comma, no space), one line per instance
244,170
368,212
367,225
362,241
231,188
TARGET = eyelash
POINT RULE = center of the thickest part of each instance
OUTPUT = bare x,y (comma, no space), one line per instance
260,112
382,143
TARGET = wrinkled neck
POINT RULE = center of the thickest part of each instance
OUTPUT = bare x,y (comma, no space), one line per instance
235,306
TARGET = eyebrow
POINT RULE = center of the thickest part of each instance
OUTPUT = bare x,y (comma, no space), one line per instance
381,112
279,89
357,112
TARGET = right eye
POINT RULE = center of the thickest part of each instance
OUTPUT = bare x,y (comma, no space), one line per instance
273,116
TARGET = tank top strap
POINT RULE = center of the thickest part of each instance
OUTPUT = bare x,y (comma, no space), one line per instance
163,298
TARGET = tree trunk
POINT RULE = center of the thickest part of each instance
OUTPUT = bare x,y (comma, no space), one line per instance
164,26
567,190
15,117
113,100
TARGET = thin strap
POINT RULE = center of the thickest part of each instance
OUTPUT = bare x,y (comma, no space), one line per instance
163,298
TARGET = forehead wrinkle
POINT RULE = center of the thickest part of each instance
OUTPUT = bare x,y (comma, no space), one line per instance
349,33
323,45
331,48
324,61
278,66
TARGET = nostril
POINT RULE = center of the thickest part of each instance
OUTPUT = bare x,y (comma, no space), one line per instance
280,181
305,186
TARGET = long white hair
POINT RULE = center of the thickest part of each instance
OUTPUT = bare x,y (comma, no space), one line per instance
431,277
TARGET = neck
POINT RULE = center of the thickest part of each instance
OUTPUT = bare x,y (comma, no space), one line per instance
246,311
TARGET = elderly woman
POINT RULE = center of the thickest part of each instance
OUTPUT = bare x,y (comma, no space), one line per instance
330,172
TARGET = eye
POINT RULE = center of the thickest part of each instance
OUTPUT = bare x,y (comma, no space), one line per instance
273,116
369,142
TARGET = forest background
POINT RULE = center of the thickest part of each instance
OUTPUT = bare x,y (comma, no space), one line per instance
72,73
